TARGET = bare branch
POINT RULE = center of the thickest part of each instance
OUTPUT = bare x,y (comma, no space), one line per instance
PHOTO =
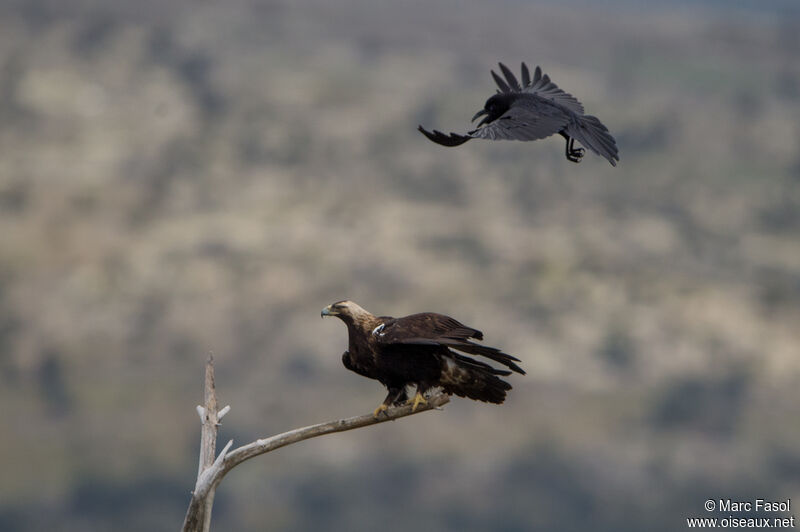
212,471
245,452
208,442
198,516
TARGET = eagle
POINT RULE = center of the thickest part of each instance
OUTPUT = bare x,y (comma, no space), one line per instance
533,110
420,350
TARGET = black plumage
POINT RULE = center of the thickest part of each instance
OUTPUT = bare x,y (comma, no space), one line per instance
532,110
420,350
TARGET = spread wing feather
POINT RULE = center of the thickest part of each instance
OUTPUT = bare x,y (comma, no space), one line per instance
525,120
540,85
590,132
543,87
526,76
510,78
500,83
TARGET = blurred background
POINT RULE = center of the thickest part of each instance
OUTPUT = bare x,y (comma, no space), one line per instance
191,177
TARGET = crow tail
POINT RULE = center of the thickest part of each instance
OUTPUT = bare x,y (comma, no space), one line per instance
589,131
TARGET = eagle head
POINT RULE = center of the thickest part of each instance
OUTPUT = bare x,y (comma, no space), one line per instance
346,311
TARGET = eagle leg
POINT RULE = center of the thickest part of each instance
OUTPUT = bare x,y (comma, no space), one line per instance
573,154
417,400
392,397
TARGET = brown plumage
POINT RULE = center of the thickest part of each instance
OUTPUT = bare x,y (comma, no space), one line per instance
420,350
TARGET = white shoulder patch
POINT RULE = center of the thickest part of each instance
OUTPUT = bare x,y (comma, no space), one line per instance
377,330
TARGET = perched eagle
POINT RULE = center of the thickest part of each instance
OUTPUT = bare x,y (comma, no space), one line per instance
420,350
534,110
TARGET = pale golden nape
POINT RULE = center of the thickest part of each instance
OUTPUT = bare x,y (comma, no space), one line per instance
351,308
351,313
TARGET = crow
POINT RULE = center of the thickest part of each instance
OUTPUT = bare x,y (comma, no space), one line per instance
534,110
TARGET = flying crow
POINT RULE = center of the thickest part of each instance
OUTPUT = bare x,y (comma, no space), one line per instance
534,110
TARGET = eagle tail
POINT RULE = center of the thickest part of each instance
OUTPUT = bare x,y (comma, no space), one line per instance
476,380
589,131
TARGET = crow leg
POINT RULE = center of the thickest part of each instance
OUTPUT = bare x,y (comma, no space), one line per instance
573,154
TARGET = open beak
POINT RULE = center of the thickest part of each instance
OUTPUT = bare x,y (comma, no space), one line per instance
479,113
327,311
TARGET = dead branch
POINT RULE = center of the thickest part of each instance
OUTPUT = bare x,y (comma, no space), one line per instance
211,471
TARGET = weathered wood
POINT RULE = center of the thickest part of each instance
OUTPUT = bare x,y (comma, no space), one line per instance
261,446
198,516
211,471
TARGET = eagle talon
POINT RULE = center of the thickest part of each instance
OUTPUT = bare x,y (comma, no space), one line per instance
382,408
417,400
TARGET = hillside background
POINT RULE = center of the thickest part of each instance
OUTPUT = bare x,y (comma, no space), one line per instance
191,177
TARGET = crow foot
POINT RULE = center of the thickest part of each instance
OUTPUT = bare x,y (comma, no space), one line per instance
575,155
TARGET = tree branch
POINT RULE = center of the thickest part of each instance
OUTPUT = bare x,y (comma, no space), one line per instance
245,452
208,441
198,516
211,471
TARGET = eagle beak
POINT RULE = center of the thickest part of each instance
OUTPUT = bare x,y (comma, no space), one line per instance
327,311
479,113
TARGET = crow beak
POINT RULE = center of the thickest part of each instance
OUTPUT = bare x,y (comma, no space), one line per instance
327,311
479,113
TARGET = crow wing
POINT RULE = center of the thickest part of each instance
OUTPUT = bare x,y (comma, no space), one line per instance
526,119
540,86
590,132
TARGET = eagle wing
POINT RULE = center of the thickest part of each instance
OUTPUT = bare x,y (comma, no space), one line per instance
540,86
439,331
